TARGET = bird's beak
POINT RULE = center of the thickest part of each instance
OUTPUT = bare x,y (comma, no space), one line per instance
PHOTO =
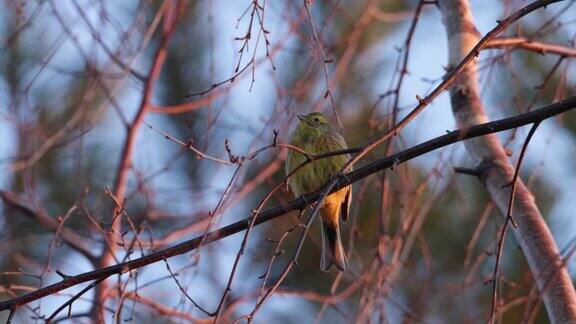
301,117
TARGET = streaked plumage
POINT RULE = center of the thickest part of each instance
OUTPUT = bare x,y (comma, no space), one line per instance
314,134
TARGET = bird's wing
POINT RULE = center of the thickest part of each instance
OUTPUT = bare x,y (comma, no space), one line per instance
288,168
345,205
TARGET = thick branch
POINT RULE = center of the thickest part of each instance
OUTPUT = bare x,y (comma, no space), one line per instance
298,204
533,235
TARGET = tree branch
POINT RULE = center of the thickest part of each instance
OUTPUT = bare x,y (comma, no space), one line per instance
527,44
108,256
300,203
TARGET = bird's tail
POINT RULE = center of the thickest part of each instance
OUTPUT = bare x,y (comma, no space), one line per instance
332,250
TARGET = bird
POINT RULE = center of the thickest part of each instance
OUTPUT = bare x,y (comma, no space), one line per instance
315,135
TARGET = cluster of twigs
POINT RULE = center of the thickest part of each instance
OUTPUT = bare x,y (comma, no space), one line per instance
107,264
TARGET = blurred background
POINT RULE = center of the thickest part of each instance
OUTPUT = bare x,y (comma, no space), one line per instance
422,237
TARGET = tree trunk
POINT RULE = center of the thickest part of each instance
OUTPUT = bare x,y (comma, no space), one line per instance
532,233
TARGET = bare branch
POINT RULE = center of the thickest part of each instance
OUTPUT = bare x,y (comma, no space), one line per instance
527,44
300,203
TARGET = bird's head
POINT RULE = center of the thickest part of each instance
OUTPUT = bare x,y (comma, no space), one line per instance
314,119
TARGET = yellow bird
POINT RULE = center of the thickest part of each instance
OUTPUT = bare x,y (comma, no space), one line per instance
314,135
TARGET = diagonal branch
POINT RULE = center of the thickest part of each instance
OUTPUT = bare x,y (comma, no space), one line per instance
108,256
300,203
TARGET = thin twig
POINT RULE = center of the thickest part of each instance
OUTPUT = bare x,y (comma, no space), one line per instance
495,304
325,62
76,296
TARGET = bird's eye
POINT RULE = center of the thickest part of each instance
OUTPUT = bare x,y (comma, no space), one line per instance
316,119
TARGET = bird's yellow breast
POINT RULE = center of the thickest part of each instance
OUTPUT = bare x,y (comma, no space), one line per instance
315,174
